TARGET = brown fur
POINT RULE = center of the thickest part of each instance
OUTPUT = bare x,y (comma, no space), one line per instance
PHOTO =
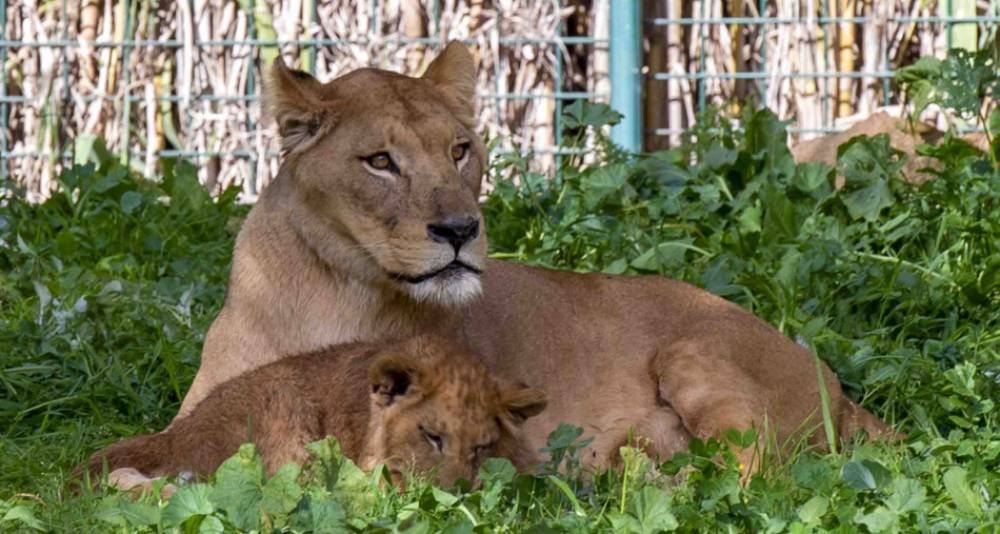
313,265
423,385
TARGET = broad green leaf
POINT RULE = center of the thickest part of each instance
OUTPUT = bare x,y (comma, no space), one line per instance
867,165
443,498
583,113
907,495
120,510
187,502
993,125
966,500
878,520
603,183
651,508
180,179
814,509
282,492
110,180
238,488
318,515
667,255
865,475
497,471
22,514
564,488
130,201
812,177
868,202
211,525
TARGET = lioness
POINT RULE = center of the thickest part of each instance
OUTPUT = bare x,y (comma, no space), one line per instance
372,231
430,406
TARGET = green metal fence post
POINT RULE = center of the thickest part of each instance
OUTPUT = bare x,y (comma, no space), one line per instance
3,92
626,80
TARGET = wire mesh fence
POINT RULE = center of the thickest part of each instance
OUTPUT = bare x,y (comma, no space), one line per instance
821,64
183,79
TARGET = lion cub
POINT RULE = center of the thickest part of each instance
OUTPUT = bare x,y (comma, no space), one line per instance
429,406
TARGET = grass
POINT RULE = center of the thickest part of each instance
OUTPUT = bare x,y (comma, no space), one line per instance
107,288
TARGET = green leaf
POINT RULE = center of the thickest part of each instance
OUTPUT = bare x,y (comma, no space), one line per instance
110,180
564,488
211,525
720,156
814,509
907,495
618,266
189,501
812,177
603,183
865,475
318,515
120,510
180,179
282,491
583,113
750,219
651,508
967,501
878,520
443,498
667,255
993,126
867,164
869,201
24,515
237,490
497,471
130,201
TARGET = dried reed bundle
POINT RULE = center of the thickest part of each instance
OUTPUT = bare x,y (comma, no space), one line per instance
191,83
801,40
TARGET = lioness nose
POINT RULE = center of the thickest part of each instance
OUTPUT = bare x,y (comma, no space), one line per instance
455,230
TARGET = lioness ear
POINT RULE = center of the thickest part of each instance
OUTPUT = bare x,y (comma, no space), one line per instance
522,402
453,72
392,379
292,98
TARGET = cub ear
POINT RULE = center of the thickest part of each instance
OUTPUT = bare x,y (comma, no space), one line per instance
292,97
393,379
453,72
522,402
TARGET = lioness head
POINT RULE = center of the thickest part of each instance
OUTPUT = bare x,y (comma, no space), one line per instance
384,172
436,409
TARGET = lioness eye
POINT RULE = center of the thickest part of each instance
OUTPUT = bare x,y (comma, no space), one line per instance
458,151
433,439
381,161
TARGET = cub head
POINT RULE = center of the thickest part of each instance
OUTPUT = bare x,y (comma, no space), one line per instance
436,409
382,173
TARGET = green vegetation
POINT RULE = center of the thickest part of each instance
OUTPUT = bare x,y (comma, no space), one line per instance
107,288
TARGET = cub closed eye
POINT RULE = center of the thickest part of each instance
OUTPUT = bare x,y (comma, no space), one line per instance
482,450
459,151
381,161
433,439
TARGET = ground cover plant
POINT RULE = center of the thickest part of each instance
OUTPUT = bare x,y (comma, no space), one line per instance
107,288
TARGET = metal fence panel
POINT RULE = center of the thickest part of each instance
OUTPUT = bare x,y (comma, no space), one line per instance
182,79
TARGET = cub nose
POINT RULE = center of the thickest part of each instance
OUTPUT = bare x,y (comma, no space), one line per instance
457,230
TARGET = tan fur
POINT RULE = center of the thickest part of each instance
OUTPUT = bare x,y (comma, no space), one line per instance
615,354
378,400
